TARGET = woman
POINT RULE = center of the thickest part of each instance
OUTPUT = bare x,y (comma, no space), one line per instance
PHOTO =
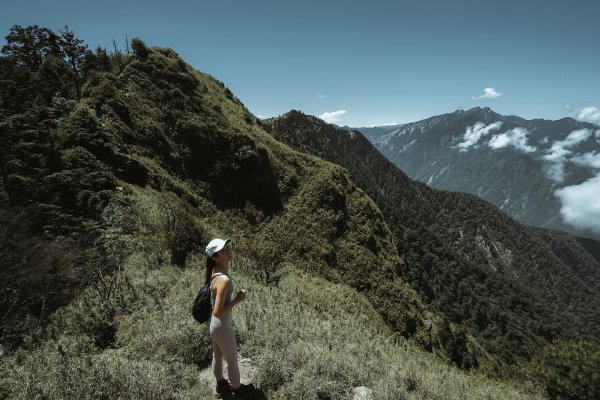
221,332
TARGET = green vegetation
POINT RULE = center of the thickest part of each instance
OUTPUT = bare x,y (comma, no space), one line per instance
468,261
563,367
150,120
117,168
308,338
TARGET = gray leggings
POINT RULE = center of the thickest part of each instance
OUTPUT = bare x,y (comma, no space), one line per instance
224,346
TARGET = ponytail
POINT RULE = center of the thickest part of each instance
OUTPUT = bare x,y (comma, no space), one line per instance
210,264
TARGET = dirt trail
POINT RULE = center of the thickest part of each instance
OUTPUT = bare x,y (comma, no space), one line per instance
247,373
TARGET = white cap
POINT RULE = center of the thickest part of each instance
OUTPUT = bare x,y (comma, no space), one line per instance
214,246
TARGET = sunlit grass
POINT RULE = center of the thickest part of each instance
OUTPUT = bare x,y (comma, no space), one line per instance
308,338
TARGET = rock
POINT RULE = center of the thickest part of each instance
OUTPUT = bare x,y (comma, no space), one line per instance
362,393
427,325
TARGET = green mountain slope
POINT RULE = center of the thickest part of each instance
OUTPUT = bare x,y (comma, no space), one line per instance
506,282
116,169
152,121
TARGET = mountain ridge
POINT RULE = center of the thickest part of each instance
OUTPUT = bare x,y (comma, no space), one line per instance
115,175
484,240
519,169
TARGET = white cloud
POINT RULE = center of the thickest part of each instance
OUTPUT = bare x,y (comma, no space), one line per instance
588,159
555,171
571,140
516,137
321,95
580,204
589,114
474,133
333,117
558,153
488,93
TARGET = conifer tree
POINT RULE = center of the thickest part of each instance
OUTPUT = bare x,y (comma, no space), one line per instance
30,45
3,146
139,48
75,51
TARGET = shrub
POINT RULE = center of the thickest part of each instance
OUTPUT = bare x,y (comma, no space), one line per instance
68,369
139,48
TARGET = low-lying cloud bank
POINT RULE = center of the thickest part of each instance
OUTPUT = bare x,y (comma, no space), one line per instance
561,152
580,204
555,158
516,138
474,133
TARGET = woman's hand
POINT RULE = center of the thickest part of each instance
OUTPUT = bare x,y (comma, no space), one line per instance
241,296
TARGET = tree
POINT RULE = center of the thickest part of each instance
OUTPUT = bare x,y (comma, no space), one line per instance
139,48
75,52
30,45
37,274
3,146
54,78
98,61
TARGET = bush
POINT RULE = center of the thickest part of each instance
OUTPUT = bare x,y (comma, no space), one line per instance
38,275
139,48
69,369
569,369
168,333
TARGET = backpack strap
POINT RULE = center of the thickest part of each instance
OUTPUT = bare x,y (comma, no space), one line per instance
234,283
219,274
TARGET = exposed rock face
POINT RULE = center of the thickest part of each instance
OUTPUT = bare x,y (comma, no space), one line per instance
362,393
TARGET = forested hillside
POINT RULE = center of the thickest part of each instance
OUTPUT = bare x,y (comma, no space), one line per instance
88,137
149,120
511,286
118,167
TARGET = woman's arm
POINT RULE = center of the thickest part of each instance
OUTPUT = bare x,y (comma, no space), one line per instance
220,287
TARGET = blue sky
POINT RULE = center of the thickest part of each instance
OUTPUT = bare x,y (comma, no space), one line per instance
363,62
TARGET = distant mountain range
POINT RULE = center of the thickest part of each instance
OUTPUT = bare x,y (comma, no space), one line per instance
522,166
374,132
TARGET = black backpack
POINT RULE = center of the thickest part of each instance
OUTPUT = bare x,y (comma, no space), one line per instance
202,308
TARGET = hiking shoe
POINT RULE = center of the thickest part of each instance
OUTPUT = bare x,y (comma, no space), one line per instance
243,392
224,389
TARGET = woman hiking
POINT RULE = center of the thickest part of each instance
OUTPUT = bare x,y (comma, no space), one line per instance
221,331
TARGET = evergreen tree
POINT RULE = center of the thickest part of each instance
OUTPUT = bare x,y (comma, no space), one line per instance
30,45
3,146
139,48
75,51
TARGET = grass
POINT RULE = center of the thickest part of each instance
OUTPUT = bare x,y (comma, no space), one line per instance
307,337
320,340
